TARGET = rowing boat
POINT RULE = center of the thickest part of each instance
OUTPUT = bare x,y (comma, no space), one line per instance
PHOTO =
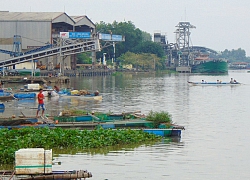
214,83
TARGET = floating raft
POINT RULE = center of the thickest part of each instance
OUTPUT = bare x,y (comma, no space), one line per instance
57,175
18,123
135,124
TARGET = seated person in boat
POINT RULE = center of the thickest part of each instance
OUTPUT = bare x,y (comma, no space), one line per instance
202,81
235,82
56,88
218,81
96,93
232,81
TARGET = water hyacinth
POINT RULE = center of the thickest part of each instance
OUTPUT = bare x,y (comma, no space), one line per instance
12,140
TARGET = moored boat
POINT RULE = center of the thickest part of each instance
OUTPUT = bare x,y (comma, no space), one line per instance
2,106
214,83
18,123
83,94
204,64
83,97
6,96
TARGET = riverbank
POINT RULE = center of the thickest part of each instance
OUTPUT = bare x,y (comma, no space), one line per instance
34,79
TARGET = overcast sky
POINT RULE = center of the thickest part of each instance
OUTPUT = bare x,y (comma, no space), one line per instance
220,24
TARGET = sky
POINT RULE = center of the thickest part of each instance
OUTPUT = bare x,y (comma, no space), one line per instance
220,25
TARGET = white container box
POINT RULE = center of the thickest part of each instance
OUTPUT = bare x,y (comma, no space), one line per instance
33,161
33,86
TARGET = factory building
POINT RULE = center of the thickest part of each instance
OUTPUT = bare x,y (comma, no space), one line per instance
22,32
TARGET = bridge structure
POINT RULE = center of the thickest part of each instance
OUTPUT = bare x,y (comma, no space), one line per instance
63,47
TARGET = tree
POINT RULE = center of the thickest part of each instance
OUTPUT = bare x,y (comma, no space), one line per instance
149,47
84,58
144,61
136,41
234,55
133,36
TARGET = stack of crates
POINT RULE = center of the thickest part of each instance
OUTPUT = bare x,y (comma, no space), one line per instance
33,161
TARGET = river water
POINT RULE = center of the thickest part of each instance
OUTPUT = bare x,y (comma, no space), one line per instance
215,142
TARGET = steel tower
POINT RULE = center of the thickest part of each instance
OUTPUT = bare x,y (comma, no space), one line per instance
183,42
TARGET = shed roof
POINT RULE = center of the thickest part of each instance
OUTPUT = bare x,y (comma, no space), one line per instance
83,20
29,16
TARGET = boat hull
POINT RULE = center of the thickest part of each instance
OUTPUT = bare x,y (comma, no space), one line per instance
214,67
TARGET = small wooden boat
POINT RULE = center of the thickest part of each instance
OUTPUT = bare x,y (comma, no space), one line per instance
83,97
214,83
2,106
18,123
6,96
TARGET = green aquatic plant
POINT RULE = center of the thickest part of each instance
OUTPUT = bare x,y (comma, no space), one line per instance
58,138
159,118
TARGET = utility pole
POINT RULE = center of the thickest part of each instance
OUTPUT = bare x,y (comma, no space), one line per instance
104,59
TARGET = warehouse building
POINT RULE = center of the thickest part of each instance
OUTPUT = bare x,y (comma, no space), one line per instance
26,31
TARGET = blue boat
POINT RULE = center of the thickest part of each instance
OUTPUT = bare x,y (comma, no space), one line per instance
164,132
25,95
2,106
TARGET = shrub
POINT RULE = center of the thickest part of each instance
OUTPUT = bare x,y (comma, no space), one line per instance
159,118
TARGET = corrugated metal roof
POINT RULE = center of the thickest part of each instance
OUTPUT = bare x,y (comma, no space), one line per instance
77,18
82,20
30,16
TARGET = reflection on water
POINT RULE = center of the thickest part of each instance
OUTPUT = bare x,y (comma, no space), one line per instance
106,150
214,144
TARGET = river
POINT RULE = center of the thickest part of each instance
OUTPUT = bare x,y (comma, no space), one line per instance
214,144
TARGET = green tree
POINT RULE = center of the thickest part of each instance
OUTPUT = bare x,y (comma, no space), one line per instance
234,55
149,47
84,58
146,36
133,36
144,61
136,41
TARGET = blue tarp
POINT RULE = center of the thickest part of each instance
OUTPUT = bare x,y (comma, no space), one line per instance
24,95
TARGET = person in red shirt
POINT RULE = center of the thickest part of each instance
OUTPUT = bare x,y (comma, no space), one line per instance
40,98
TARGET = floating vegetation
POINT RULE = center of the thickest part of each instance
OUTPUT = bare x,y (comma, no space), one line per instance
159,118
73,112
12,140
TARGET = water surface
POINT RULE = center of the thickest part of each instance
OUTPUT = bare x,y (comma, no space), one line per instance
215,144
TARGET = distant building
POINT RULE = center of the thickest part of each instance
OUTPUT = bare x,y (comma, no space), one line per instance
239,65
38,29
